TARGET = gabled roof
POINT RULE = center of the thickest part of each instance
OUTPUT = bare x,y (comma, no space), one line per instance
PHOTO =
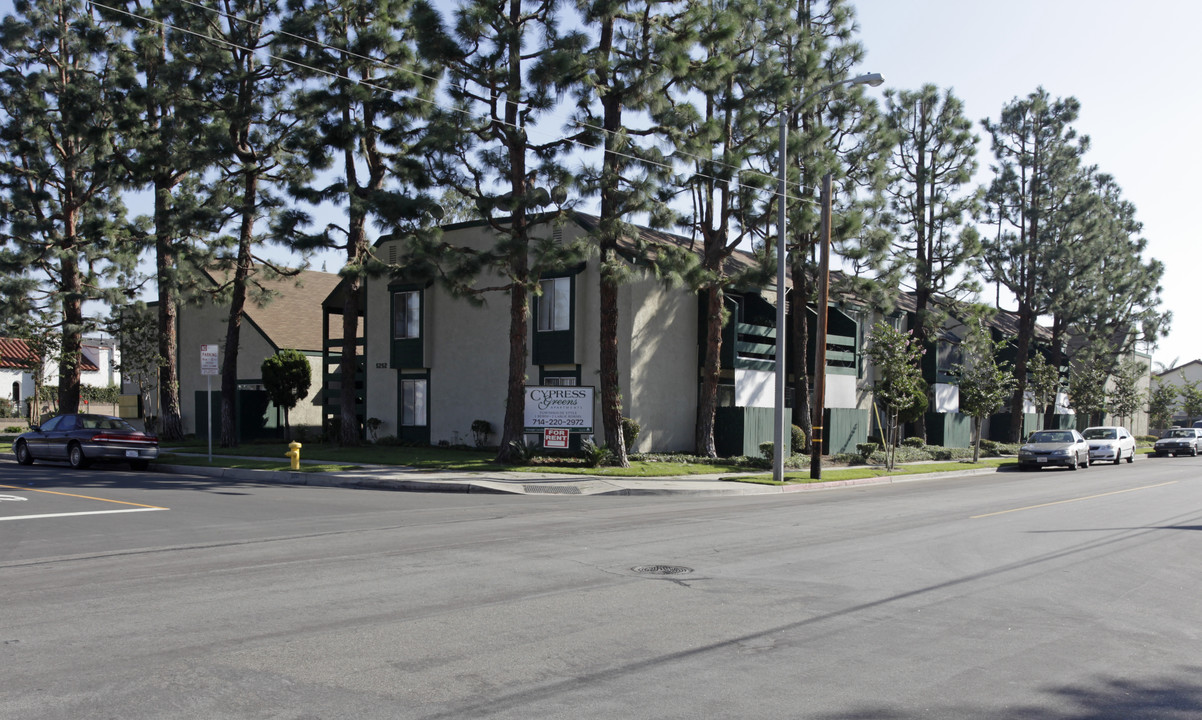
1178,369
292,317
16,353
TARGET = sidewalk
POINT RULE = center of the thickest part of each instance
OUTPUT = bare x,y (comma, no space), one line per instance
378,477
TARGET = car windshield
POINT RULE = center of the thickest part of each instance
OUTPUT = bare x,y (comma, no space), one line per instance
100,422
1052,437
1179,433
1101,434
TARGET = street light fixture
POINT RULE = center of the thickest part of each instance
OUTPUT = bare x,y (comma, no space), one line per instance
778,430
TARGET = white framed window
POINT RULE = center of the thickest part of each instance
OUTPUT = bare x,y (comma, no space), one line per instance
407,315
413,402
560,381
555,305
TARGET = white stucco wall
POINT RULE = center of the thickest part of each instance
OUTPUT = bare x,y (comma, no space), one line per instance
466,351
205,324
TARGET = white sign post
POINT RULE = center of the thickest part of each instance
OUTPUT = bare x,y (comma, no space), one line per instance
208,368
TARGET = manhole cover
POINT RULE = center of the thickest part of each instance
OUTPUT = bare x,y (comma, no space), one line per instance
553,489
661,569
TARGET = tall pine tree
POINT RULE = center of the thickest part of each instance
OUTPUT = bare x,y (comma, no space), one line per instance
62,241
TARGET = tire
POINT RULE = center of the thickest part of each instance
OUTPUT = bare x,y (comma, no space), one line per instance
1118,456
24,457
1194,452
139,465
1131,457
1076,463
76,457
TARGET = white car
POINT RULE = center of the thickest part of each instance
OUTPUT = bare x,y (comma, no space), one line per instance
1110,442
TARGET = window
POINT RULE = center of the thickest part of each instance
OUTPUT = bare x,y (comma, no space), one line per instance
413,402
560,381
407,315
17,394
555,305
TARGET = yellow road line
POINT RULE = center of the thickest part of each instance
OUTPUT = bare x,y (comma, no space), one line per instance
1061,502
85,497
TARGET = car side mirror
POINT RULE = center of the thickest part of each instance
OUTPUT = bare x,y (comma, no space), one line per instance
36,428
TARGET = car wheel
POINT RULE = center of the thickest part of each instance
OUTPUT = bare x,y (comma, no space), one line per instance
1118,456
1131,457
76,457
139,465
1194,452
23,455
1076,463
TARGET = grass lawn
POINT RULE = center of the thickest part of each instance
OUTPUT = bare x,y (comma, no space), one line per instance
249,464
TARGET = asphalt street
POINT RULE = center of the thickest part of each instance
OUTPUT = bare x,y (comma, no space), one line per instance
1051,595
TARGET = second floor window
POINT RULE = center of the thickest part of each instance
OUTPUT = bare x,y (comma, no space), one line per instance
406,313
555,305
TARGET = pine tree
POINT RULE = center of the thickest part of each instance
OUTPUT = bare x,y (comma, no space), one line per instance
1038,154
507,63
170,150
715,123
361,80
835,129
248,97
1161,399
62,242
934,159
625,72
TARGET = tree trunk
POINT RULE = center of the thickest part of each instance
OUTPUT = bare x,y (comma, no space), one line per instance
802,416
70,357
233,329
1026,327
707,404
515,396
170,422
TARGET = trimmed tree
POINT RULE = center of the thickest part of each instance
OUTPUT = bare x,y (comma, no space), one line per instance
286,377
1161,399
896,357
984,383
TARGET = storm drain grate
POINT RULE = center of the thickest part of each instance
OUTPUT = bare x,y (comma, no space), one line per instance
553,489
661,569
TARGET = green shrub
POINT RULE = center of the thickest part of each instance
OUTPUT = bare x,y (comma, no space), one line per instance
848,458
1146,439
766,449
14,429
798,440
867,449
988,446
914,442
630,432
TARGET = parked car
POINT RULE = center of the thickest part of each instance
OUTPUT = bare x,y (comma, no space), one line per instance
80,439
1178,441
1109,442
1054,447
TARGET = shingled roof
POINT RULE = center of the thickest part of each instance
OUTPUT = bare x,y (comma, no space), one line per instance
292,318
16,353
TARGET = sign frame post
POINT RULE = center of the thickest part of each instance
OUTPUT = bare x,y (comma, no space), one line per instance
208,368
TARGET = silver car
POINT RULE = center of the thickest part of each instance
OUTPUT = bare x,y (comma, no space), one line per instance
1178,441
1044,448
1110,442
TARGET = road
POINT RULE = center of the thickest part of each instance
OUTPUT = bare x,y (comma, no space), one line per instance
1046,596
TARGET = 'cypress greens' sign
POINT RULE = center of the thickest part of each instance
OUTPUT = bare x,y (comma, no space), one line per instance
559,406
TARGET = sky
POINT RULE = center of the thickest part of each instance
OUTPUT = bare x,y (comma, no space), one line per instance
1130,66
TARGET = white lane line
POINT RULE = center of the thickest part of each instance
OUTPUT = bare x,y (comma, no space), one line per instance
76,514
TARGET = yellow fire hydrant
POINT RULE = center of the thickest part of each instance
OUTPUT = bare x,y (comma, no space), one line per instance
294,453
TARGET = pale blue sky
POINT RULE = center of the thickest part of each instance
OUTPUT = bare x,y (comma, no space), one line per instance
1131,65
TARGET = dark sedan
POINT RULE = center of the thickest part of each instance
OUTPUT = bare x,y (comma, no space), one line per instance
81,439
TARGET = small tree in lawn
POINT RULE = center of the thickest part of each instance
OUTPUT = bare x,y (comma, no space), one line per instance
896,356
1125,398
1043,386
1087,388
286,375
985,384
1191,399
1162,398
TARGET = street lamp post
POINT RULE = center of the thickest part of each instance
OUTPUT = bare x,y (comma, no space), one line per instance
779,446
